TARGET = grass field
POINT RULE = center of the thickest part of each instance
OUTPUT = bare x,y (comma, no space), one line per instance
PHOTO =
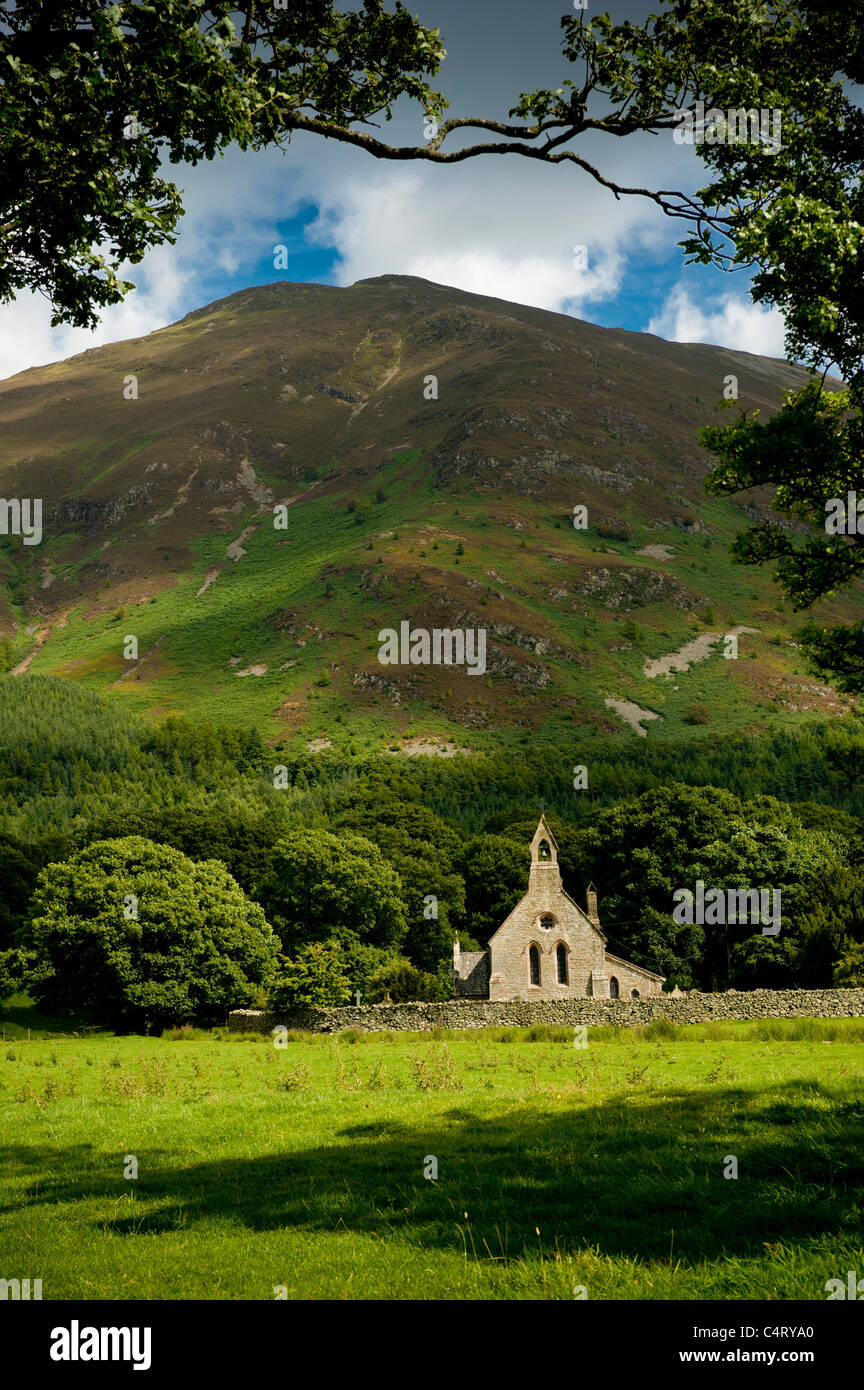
301,1168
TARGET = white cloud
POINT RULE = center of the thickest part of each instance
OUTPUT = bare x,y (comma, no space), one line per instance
483,230
28,340
231,215
734,322
504,227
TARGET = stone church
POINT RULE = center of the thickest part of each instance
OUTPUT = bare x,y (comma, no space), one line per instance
549,948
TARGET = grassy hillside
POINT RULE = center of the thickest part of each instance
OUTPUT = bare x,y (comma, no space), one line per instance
455,511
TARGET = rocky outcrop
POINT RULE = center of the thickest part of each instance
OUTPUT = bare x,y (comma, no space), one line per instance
623,587
100,513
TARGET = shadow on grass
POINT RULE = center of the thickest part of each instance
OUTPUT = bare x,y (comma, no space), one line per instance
620,1176
18,1013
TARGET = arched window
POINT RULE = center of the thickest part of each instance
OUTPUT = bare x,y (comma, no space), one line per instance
561,961
543,850
534,965
634,994
547,921
613,988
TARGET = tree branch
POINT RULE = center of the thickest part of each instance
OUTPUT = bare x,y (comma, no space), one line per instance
683,205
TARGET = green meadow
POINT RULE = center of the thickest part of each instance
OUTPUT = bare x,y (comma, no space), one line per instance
562,1172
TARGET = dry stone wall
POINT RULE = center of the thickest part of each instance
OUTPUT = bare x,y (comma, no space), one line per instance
465,1013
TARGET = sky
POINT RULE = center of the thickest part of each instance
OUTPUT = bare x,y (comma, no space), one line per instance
501,226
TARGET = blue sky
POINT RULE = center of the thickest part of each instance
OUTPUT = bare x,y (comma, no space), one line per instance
499,226
306,262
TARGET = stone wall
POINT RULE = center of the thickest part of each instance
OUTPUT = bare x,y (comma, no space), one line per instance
464,1013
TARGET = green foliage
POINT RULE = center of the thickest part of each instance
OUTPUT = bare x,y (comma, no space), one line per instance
315,976
810,452
19,866
495,869
242,838
192,943
322,885
13,969
361,963
75,78
429,946
75,769
422,848
832,927
69,758
402,982
763,962
672,837
849,971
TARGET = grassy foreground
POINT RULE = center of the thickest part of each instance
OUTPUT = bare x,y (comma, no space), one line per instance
299,1171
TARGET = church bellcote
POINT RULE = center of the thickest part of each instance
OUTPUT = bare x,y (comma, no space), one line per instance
544,859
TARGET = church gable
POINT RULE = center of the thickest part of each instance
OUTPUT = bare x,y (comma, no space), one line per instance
551,907
546,897
546,946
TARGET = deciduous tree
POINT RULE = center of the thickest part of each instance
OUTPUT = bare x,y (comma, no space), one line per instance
133,933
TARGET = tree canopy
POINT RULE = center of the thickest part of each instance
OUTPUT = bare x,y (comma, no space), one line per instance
647,848
737,810
423,849
316,977
322,885
495,869
134,934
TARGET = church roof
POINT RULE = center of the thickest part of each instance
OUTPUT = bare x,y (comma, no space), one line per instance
640,969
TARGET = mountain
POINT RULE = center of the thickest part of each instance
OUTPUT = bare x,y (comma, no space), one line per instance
449,507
